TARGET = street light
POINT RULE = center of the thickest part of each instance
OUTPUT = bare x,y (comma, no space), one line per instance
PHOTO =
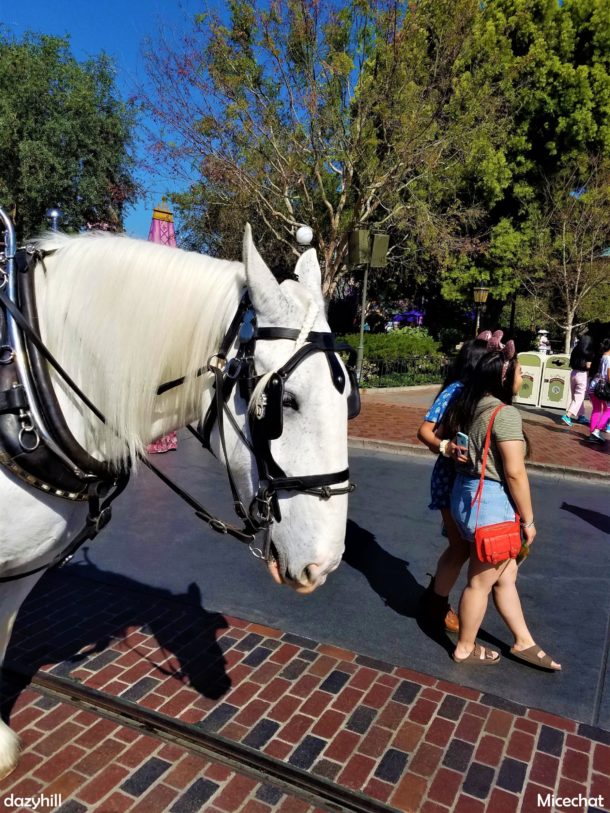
371,251
480,298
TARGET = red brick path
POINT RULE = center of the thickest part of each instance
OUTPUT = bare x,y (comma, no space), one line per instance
551,443
405,738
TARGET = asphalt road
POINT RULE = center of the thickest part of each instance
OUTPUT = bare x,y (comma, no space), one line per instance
369,603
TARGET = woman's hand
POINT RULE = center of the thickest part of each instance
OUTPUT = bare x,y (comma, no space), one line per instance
529,534
458,453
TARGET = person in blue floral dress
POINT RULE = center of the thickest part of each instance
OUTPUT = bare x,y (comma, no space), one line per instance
435,601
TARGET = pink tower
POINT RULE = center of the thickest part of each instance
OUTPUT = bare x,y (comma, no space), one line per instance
162,231
162,225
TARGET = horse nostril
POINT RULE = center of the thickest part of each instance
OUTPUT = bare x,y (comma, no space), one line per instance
310,574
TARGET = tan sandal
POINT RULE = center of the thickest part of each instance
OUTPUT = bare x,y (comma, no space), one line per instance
536,657
481,656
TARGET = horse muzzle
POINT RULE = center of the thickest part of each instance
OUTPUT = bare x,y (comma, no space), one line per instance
311,577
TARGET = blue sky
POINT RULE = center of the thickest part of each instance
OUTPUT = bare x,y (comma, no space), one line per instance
117,27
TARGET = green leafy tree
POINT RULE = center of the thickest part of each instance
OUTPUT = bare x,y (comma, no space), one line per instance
328,113
65,136
570,256
550,62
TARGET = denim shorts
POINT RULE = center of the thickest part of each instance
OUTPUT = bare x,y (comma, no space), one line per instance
496,504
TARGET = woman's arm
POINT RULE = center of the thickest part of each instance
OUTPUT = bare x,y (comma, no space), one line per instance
427,436
513,460
430,438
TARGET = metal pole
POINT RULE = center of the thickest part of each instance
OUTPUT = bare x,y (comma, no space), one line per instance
360,357
478,319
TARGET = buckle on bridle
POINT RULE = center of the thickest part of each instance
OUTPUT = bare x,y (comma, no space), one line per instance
220,365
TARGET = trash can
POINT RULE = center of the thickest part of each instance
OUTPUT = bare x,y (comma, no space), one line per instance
532,365
555,390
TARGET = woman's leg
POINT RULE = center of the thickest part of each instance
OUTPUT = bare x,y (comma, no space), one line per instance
580,391
605,416
508,604
596,413
473,604
452,558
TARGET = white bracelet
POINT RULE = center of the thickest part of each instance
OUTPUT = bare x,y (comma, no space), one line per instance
442,449
527,524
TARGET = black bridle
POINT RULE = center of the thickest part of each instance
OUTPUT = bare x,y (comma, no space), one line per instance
265,422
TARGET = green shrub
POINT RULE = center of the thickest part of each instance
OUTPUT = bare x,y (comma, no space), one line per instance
399,344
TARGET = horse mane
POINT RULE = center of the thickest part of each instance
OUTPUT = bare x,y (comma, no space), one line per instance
124,316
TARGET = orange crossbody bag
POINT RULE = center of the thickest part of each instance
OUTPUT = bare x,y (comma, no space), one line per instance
501,541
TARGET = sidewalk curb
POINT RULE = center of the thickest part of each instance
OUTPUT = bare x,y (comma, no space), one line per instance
547,469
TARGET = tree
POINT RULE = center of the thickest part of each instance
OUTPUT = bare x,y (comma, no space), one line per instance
552,68
570,257
65,136
329,113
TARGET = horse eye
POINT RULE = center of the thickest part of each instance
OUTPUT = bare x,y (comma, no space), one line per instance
290,402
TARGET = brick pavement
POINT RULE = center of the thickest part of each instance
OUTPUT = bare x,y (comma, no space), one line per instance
399,736
394,417
95,764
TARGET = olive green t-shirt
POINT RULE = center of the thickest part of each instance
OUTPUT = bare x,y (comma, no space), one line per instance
507,426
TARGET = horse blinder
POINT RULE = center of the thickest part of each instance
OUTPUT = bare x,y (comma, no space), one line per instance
270,419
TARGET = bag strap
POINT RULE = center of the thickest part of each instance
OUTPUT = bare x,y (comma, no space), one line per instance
479,492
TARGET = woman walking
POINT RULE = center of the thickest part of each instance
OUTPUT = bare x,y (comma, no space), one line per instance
580,362
600,394
505,490
435,601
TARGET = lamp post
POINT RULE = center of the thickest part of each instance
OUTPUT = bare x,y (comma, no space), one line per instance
53,215
370,251
480,298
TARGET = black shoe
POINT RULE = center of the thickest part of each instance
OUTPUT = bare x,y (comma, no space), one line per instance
595,439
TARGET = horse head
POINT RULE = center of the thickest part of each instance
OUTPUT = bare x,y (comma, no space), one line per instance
297,430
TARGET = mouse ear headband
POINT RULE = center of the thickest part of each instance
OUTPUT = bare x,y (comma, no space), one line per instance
494,342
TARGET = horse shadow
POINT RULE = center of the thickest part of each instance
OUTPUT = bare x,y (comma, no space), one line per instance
75,614
391,579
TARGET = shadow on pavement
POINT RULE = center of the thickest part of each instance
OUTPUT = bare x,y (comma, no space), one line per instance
72,622
391,579
595,518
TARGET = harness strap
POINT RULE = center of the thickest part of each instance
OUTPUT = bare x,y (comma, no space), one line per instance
13,400
200,511
99,516
44,351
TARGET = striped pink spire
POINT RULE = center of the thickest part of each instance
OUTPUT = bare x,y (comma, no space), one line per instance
162,225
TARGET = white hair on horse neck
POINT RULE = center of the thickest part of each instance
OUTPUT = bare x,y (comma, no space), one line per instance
124,316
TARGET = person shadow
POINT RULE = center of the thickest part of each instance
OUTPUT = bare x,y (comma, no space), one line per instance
72,618
390,577
595,518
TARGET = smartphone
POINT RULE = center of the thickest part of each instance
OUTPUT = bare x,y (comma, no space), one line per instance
461,439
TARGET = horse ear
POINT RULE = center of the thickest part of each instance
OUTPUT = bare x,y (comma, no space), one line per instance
309,274
268,300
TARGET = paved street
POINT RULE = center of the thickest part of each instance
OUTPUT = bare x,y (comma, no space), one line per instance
344,684
369,604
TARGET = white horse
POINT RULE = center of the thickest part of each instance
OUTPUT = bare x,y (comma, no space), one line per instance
123,316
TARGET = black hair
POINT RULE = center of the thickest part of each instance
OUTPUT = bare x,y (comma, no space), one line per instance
485,380
603,348
583,352
465,362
